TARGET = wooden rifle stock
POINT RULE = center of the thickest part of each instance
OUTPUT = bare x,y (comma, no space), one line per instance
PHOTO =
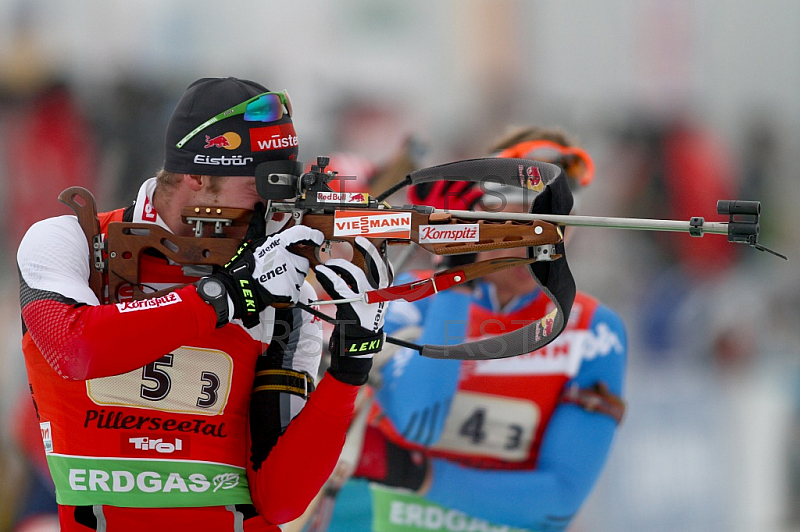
127,242
117,260
82,202
488,234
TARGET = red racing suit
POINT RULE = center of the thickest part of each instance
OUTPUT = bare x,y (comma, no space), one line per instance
154,419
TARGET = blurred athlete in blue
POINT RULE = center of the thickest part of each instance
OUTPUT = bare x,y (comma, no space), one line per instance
509,444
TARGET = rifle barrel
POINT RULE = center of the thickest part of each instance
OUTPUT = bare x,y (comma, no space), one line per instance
639,224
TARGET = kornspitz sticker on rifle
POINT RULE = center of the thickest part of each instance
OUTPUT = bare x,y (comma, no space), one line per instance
384,225
439,234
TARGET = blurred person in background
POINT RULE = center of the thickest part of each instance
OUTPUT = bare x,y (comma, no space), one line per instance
709,424
48,146
198,410
681,169
516,442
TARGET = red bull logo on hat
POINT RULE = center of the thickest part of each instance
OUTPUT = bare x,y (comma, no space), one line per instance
229,141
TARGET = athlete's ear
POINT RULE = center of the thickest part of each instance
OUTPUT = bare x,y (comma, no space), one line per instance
194,181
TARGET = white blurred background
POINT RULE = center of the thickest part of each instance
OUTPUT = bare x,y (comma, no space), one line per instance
677,100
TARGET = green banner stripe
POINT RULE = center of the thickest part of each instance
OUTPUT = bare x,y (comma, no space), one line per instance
146,483
398,511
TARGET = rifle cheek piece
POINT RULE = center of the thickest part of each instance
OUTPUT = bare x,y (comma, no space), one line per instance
278,180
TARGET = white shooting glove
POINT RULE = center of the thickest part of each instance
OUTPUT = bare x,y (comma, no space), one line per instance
262,272
279,272
358,335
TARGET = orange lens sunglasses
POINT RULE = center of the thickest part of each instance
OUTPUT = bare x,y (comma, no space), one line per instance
576,162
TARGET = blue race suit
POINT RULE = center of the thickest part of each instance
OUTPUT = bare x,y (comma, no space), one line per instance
507,443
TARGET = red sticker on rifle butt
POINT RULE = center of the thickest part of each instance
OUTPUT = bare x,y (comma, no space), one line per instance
374,224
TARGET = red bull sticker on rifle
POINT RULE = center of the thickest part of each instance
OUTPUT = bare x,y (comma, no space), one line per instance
359,198
269,138
384,225
229,141
530,178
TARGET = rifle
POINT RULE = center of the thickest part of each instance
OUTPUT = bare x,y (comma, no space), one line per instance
306,198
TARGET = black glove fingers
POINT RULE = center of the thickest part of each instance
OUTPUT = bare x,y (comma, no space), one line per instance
345,275
301,234
305,242
378,274
325,279
332,283
373,274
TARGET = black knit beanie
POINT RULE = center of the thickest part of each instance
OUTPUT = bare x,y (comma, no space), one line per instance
230,146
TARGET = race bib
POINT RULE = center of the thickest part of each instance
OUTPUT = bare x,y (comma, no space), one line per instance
490,426
190,380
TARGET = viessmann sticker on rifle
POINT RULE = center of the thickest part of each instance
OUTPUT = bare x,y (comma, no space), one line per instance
439,234
374,224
